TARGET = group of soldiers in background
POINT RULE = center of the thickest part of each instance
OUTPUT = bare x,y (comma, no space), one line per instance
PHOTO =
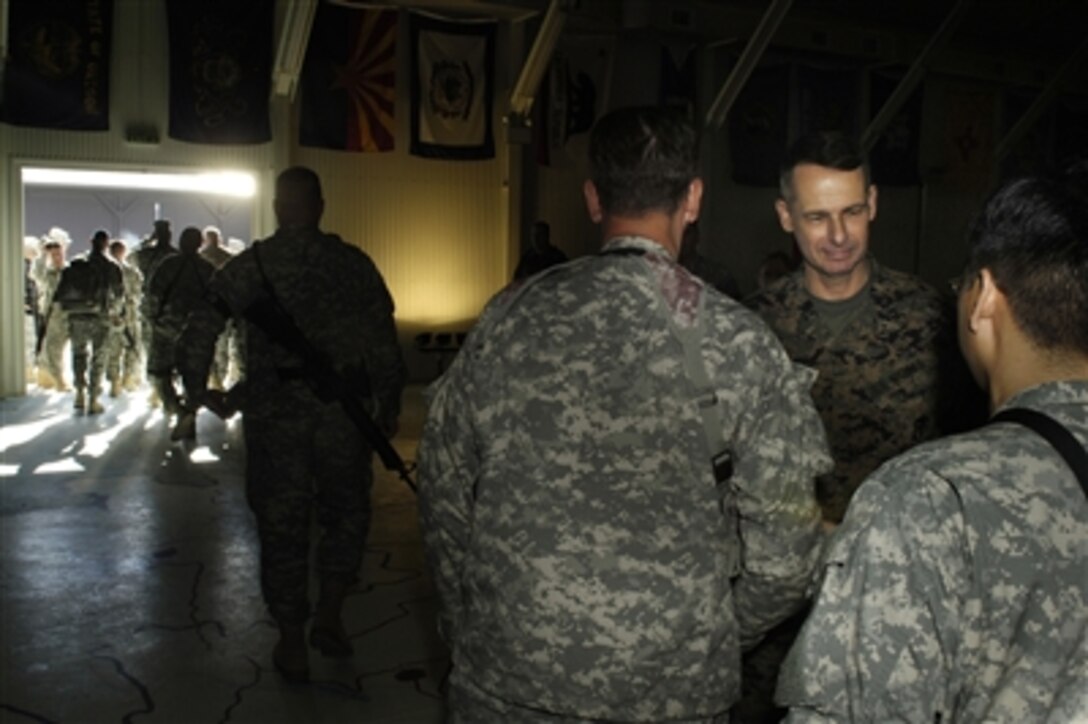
121,312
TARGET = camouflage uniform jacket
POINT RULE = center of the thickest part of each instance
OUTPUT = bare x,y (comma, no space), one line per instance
335,295
879,384
176,286
957,588
46,277
133,284
588,564
217,255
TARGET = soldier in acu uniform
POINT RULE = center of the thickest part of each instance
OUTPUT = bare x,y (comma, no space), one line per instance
45,270
124,370
176,287
91,292
303,452
956,589
616,472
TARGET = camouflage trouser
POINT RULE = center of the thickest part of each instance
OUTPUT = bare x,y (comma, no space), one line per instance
309,459
759,673
124,352
89,334
472,706
51,357
228,355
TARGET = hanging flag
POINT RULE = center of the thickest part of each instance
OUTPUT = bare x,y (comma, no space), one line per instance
220,70
894,157
827,99
757,126
349,80
678,78
576,88
57,73
969,135
452,81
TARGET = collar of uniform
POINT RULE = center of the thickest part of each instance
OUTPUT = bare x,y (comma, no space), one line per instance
639,243
1049,395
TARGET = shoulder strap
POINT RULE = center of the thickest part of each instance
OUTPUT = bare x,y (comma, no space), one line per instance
1056,434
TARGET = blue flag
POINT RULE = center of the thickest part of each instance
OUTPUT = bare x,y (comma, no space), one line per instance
57,74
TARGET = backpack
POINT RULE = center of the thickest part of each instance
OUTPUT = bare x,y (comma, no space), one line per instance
82,290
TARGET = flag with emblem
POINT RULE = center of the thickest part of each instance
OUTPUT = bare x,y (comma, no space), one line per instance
220,71
57,72
348,83
452,80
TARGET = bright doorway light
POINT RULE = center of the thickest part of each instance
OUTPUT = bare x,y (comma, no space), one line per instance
224,183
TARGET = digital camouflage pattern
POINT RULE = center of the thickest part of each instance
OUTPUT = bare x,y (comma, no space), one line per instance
89,331
588,564
880,383
47,277
176,287
956,590
124,337
300,451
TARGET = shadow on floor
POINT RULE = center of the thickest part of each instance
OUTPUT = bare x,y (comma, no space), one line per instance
129,586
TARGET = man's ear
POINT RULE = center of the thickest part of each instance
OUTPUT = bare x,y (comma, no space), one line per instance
693,201
593,202
784,218
872,201
987,302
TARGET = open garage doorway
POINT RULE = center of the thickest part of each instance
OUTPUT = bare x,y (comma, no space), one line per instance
74,203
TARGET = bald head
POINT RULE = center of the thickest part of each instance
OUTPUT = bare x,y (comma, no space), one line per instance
298,200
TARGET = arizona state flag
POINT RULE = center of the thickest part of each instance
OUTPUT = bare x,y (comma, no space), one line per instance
452,71
220,70
58,73
349,80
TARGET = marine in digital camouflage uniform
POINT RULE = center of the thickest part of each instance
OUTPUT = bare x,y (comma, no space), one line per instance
592,564
880,340
956,589
303,453
880,377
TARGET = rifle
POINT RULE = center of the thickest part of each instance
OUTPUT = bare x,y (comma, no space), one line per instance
325,380
42,329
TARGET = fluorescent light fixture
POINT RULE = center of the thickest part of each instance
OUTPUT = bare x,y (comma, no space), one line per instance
221,183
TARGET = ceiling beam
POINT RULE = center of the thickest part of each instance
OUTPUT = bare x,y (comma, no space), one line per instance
536,61
761,37
298,19
913,75
1041,102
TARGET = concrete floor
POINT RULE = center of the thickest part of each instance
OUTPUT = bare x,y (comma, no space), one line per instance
129,583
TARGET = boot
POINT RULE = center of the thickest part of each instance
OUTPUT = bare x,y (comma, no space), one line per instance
95,407
81,400
153,400
62,386
185,427
328,634
290,656
115,387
